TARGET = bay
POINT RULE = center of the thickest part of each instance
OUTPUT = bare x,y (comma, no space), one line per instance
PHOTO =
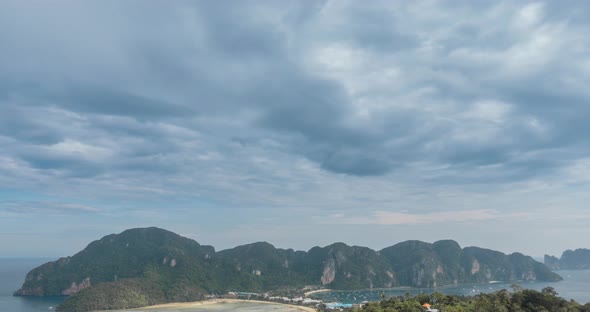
575,285
12,275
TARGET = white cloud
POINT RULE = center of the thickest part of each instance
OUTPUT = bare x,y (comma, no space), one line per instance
79,149
432,113
489,110
406,218
528,16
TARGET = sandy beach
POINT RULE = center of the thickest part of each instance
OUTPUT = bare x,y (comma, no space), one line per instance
196,304
316,291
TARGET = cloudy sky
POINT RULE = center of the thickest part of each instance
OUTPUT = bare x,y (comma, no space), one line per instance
298,123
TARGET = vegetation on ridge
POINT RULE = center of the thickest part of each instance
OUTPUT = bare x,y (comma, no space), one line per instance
151,265
521,300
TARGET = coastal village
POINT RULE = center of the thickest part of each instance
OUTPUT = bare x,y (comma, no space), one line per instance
303,299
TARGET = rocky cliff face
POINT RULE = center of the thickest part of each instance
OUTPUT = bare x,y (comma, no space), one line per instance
552,262
126,255
329,273
160,264
42,282
352,267
422,264
76,287
578,259
337,266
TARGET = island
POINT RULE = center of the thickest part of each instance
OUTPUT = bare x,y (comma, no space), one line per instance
148,266
578,259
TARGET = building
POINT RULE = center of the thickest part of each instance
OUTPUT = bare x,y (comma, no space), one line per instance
428,308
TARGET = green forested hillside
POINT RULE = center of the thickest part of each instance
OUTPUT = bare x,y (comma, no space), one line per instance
422,264
520,300
150,265
131,254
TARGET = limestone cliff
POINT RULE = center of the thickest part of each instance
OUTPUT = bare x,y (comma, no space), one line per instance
578,259
150,265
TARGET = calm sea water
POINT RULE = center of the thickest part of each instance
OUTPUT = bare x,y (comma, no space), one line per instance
576,285
12,275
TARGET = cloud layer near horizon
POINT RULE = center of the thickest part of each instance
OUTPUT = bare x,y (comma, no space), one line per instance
262,113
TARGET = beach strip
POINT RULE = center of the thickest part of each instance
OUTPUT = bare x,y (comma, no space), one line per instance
181,305
316,291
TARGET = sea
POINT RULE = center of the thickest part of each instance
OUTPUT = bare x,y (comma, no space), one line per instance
575,285
12,276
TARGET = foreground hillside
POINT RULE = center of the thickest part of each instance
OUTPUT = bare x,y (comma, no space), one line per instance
519,300
139,267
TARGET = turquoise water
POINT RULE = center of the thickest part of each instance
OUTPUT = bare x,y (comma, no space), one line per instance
241,306
12,275
575,285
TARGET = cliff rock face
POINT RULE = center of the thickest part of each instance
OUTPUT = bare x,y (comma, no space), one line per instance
76,287
329,273
552,262
578,259
131,254
337,266
353,267
150,265
422,264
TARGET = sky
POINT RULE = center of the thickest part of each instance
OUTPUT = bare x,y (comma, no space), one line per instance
300,123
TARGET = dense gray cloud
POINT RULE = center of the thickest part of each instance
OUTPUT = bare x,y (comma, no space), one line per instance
315,106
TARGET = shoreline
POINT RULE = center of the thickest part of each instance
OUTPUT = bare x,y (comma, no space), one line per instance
306,294
194,304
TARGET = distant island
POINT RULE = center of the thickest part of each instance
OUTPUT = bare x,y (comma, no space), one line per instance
147,266
578,259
